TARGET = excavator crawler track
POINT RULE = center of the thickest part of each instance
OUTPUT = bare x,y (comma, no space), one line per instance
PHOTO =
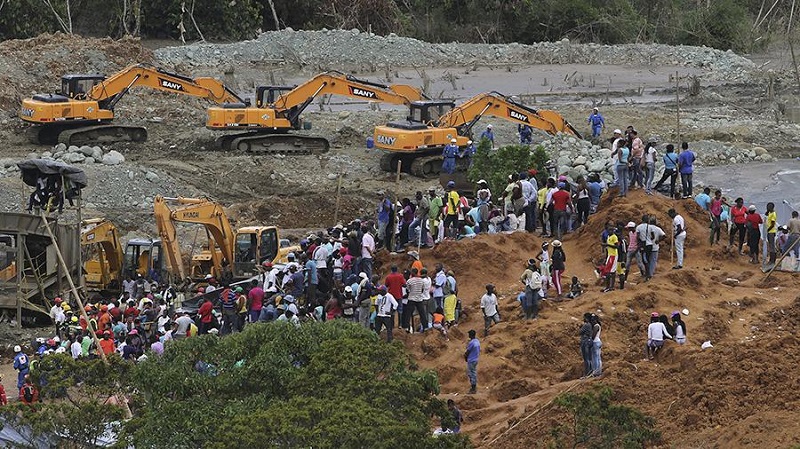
259,143
102,134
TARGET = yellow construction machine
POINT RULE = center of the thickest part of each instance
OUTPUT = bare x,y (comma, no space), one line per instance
277,111
81,113
239,251
417,143
103,255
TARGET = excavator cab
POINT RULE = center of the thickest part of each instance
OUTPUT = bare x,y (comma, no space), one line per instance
268,95
423,113
254,245
78,86
143,257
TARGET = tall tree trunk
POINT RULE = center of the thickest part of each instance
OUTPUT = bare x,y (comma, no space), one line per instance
274,14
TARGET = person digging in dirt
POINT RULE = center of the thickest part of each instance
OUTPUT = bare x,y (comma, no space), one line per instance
575,289
586,344
438,322
471,356
656,332
489,309
680,328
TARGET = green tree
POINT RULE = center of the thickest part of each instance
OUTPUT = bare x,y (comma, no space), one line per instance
322,385
495,165
599,423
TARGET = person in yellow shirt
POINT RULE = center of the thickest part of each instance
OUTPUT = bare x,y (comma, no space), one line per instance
542,199
451,216
609,269
772,228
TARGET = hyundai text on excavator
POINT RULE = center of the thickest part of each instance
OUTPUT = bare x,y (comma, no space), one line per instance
239,252
278,109
105,263
81,113
417,143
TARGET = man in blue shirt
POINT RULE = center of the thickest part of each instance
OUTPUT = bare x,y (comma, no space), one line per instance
595,192
670,170
469,152
525,134
449,154
597,122
471,357
488,135
686,167
22,364
704,199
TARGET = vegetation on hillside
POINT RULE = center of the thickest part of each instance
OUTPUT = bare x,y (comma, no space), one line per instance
724,24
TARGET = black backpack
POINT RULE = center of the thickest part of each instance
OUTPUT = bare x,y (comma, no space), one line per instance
27,393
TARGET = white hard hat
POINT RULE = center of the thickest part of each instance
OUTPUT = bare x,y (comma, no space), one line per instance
617,131
208,276
469,142
453,141
17,348
489,126
293,308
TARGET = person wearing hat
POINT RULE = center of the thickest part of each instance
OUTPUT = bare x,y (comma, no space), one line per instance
634,252
449,154
754,222
532,280
616,142
385,306
597,122
57,315
489,308
434,213
471,356
656,333
488,135
468,153
679,234
420,219
21,364
559,259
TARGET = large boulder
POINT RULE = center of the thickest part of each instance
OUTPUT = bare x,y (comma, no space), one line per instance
97,153
113,157
86,150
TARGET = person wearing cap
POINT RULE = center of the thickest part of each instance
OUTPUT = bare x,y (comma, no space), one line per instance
385,306
416,297
488,135
449,154
597,122
634,252
468,153
686,169
57,315
525,134
754,222
420,218
656,333
489,308
679,234
471,356
532,281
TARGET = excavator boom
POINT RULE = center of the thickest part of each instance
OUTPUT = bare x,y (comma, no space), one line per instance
81,112
269,121
105,268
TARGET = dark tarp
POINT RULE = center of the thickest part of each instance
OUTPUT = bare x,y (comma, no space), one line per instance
33,169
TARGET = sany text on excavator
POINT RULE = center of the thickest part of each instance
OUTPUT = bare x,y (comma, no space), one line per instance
418,141
81,113
229,254
278,109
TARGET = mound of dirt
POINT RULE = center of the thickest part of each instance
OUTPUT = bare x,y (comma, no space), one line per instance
720,397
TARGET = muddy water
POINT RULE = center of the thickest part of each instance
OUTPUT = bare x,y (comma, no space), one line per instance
778,182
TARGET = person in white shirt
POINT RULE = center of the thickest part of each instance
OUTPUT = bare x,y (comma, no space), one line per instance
489,308
416,298
57,315
385,306
367,249
679,233
656,332
75,348
427,299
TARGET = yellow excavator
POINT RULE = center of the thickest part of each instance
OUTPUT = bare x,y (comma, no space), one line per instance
104,255
81,113
417,143
277,111
240,251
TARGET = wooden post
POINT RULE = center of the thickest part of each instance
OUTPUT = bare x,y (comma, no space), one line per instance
399,167
20,271
338,199
677,107
783,256
82,311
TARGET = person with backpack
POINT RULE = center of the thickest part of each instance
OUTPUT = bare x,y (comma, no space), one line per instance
28,394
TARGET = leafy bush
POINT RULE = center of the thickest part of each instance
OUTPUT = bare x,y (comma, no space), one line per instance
495,165
598,423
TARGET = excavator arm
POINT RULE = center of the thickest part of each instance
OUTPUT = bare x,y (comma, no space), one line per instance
193,210
294,102
106,266
109,91
465,116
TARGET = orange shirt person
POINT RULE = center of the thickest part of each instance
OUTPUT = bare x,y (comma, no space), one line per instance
107,343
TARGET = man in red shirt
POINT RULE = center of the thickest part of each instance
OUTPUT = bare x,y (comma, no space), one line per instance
754,222
205,316
255,300
560,200
107,343
739,218
395,282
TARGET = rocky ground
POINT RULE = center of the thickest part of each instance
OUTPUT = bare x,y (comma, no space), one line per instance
741,115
